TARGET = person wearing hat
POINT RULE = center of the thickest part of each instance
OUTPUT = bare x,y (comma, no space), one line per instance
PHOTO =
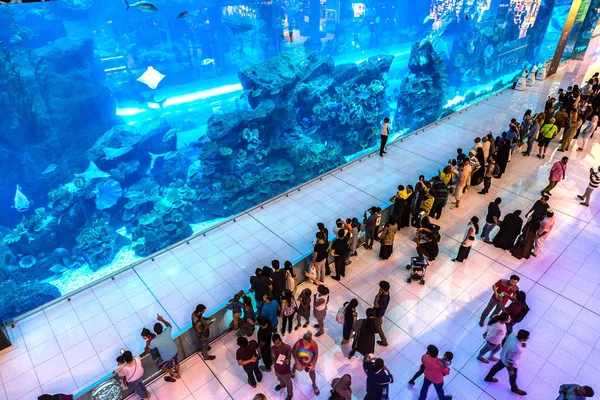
543,232
594,182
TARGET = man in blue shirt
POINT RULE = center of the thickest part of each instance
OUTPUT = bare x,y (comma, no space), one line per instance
382,300
167,348
378,378
269,310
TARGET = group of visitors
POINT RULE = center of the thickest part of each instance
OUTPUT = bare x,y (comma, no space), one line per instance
276,300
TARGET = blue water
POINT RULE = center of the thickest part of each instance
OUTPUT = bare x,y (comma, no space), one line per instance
127,130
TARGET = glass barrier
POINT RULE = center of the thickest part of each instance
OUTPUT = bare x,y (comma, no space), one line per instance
128,126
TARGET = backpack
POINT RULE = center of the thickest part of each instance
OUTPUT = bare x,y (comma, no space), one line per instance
521,315
340,316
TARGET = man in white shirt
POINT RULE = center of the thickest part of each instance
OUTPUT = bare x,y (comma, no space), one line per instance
486,148
385,129
509,358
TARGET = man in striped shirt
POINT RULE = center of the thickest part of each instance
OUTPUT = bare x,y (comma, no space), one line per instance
594,182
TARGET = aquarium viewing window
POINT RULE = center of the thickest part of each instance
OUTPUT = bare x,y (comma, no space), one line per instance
128,127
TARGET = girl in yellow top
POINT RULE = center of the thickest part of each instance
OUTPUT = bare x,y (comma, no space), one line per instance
547,132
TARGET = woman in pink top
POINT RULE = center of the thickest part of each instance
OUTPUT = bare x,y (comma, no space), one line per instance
543,232
435,371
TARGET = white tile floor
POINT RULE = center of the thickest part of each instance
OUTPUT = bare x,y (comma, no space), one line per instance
70,346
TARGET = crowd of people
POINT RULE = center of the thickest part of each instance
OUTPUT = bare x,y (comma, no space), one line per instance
275,307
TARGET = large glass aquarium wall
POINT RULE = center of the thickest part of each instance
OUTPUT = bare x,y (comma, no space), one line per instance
127,126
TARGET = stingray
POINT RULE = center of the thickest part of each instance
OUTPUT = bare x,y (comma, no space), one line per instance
93,172
151,78
112,153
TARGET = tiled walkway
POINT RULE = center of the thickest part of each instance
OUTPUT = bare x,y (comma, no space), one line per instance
71,345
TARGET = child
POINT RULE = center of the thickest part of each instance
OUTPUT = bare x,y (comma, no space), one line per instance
446,361
235,305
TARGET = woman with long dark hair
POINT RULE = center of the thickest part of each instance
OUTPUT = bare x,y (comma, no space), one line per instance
406,213
387,239
477,177
350,316
524,246
502,155
510,227
364,338
468,240
494,335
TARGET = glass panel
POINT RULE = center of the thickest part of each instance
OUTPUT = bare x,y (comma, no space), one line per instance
129,126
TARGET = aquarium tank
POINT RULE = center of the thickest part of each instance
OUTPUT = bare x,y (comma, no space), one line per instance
129,126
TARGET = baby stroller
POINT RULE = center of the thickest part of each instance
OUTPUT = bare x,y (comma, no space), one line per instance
417,268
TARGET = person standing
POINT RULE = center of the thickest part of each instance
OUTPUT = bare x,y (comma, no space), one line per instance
587,132
492,220
504,289
509,358
339,251
532,135
594,182
485,145
488,175
379,378
260,285
510,227
440,194
277,279
320,308
388,234
574,392
435,371
270,310
385,130
572,128
282,354
496,331
542,234
130,368
461,183
547,132
380,305
350,316
364,335
306,355
202,327
355,231
539,208
319,258
247,356
370,224
468,240
524,246
288,309
561,117
167,349
427,240
263,336
517,310
557,173
340,388
502,157
304,300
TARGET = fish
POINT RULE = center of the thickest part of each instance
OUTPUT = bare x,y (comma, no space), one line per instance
141,99
312,130
22,203
276,91
112,152
363,95
257,92
49,169
208,61
92,172
142,6
238,177
16,39
182,15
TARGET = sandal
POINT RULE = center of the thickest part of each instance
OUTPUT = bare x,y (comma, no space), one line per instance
316,390
170,379
297,327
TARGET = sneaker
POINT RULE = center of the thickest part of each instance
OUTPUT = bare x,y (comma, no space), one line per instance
483,360
319,333
584,204
544,156
491,380
278,388
253,384
488,241
209,358
411,382
382,343
519,392
539,156
315,326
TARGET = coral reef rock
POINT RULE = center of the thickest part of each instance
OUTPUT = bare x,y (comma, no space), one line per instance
18,298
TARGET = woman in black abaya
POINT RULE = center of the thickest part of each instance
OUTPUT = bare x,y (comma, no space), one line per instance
510,227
